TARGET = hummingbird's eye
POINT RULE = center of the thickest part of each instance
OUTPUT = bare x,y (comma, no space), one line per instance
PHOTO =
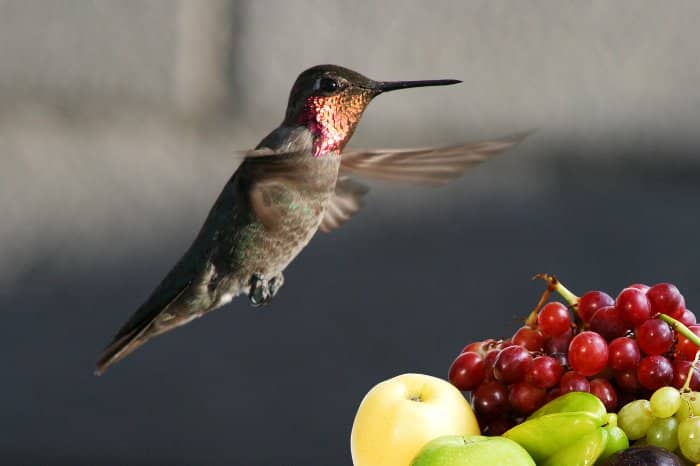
327,84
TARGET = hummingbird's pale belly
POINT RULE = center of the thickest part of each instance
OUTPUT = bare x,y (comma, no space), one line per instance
266,252
298,225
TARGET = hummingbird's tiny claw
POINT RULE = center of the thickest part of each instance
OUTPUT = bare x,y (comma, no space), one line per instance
275,284
259,294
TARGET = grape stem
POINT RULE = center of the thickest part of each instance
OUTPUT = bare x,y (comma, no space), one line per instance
686,386
532,318
686,332
555,285
680,328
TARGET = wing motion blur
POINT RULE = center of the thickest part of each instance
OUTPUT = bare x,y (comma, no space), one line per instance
434,166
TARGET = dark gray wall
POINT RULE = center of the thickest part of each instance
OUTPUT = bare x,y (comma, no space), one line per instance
111,153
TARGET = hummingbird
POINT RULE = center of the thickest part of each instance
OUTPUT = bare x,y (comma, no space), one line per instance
297,181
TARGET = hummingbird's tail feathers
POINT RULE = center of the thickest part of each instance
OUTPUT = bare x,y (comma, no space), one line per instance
119,349
144,323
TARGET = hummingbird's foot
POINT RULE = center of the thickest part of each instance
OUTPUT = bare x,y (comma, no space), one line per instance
263,290
259,293
275,284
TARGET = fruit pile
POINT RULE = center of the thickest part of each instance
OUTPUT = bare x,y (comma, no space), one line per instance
636,353
618,349
574,386
574,429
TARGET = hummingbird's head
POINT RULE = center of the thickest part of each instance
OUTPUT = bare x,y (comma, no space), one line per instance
329,101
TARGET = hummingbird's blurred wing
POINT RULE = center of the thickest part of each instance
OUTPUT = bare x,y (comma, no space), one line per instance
347,200
432,166
267,175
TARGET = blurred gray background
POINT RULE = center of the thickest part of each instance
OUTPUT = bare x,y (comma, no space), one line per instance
119,123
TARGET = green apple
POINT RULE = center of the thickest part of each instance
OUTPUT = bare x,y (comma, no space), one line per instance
400,415
454,450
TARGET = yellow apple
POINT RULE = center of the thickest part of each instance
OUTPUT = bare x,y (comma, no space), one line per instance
400,415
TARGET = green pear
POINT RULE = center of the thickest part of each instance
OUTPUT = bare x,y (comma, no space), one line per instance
545,435
574,402
583,452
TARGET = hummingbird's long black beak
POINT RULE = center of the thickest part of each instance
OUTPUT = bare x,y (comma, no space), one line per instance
386,86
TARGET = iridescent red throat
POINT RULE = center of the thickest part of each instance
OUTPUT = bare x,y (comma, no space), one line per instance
332,120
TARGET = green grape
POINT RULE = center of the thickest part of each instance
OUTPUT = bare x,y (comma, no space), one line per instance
635,418
689,438
690,405
664,433
617,440
665,402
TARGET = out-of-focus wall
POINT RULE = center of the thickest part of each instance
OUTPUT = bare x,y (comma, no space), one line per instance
572,66
77,50
569,67
159,53
119,120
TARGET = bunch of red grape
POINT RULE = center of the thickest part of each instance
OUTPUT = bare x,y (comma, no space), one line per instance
617,349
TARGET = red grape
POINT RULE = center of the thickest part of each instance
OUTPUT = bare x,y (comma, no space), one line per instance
665,298
489,361
686,349
490,400
654,372
511,364
562,359
605,392
591,302
530,338
525,399
654,336
627,381
623,354
573,382
552,393
497,426
553,319
607,322
688,318
467,371
558,344
639,286
633,306
544,372
588,353
681,369
476,347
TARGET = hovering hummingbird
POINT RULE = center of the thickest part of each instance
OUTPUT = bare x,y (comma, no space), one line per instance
296,181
